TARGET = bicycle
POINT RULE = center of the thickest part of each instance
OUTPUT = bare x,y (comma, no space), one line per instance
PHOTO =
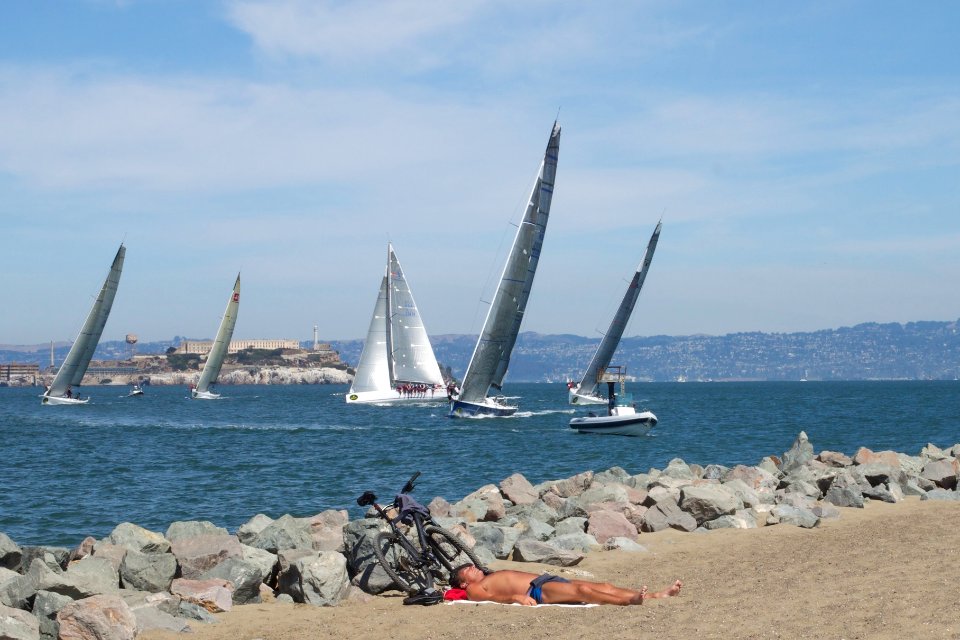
416,564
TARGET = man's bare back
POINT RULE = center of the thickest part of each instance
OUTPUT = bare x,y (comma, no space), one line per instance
511,587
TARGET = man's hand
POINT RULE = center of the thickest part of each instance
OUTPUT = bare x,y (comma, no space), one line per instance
525,600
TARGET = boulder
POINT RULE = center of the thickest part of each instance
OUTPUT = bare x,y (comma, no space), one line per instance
84,549
362,566
97,575
245,576
200,553
529,550
680,470
624,544
707,502
102,617
249,530
46,606
866,456
570,487
151,572
151,618
518,489
10,553
215,595
604,525
112,552
131,536
440,508
483,505
54,557
496,538
16,624
536,530
578,542
885,493
192,529
799,517
571,525
834,459
324,580
941,494
799,454
943,473
844,492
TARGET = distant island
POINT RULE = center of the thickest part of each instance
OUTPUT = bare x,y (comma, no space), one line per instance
927,350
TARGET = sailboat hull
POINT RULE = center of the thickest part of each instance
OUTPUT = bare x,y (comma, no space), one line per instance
575,398
633,424
204,395
57,400
394,397
490,408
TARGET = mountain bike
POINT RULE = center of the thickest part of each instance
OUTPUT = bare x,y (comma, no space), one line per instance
423,555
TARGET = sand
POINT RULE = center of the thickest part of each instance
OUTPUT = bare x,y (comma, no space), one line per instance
886,571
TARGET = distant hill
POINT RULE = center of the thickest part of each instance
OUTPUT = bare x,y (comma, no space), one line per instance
915,350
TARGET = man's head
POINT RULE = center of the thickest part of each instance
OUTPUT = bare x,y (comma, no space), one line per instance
458,577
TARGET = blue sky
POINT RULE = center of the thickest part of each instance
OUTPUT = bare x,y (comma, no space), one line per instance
804,157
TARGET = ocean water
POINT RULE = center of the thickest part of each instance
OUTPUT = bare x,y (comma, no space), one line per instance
70,472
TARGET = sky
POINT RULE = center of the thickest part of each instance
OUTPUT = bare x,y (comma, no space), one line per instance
804,159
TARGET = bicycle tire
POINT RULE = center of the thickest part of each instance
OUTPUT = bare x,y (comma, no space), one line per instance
403,568
450,550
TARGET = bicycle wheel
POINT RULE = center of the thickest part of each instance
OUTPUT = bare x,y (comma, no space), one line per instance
400,564
451,550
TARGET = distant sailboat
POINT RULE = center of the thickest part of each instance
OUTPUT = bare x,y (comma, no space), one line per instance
491,356
586,391
211,368
71,372
397,362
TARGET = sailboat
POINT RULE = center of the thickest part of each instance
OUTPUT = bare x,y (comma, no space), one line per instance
211,368
586,391
397,362
72,370
491,356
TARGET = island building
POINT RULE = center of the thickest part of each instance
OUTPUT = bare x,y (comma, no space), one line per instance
202,347
27,373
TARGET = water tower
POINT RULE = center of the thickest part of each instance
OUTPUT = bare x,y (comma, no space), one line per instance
132,341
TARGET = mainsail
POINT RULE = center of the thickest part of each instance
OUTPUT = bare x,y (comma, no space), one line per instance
601,359
72,370
411,355
211,368
491,356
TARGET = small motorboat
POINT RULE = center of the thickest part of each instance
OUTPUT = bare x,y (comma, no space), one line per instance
135,390
622,417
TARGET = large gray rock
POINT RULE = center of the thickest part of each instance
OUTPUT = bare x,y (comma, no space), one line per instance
571,525
151,619
799,454
570,487
112,552
97,574
131,536
536,530
103,617
845,491
497,539
941,494
679,470
799,517
539,511
706,502
324,580
578,542
483,505
885,492
198,554
943,473
362,566
54,557
246,578
192,529
46,606
529,550
667,514
151,572
10,553
249,530
322,532
746,494
16,624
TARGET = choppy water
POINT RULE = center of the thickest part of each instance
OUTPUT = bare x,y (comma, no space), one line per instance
69,472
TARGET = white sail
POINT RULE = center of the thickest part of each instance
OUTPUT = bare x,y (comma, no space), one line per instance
373,370
72,370
211,368
586,391
397,350
491,356
412,360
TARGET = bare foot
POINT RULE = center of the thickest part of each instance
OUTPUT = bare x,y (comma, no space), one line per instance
666,593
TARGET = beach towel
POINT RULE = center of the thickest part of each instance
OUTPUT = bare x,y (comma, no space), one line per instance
534,606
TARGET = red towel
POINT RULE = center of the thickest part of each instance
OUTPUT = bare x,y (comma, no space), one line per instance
455,594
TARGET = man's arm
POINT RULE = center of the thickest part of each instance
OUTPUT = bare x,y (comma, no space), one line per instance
483,592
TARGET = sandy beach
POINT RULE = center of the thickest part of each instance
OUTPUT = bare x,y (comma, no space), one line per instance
885,571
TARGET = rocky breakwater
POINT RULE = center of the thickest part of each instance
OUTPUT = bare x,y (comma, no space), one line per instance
135,579
255,375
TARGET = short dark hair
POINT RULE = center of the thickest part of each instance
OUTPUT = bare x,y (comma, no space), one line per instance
455,575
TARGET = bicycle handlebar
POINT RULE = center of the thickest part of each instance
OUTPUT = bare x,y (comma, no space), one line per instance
407,488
